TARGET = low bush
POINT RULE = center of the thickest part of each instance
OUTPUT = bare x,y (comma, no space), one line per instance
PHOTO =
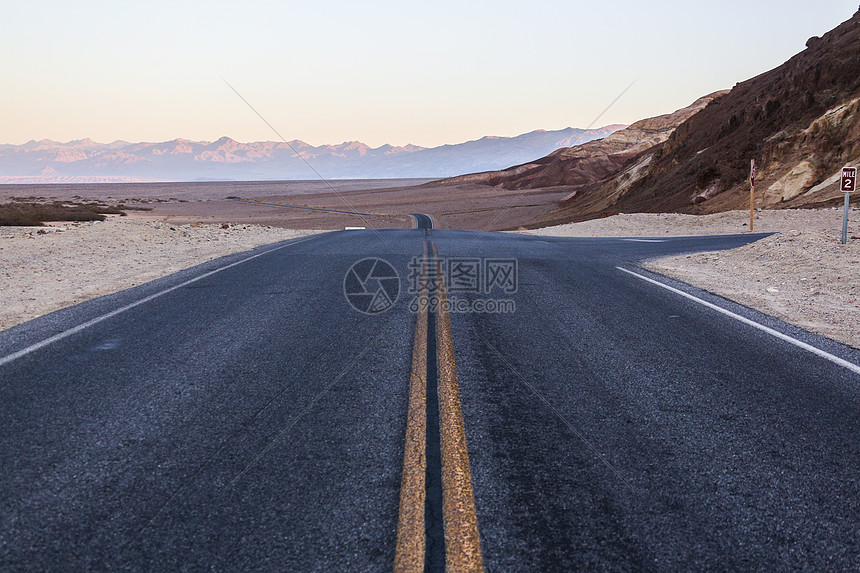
28,213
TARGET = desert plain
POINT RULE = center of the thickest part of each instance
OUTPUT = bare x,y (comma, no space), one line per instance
801,274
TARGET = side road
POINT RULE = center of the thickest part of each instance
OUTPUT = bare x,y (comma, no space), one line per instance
802,274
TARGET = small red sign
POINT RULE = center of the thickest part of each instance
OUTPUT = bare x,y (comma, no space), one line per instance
849,179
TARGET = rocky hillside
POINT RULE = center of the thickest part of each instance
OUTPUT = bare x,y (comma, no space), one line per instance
798,121
588,162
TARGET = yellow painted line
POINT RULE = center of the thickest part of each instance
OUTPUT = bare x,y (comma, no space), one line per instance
462,541
410,549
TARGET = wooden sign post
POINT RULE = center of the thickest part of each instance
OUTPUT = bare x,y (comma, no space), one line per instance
752,191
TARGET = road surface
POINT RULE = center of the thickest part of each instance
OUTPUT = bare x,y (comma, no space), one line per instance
243,415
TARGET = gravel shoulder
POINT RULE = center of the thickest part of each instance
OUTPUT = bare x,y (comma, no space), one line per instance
44,269
802,275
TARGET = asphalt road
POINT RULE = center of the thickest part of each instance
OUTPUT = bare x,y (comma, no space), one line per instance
252,419
423,221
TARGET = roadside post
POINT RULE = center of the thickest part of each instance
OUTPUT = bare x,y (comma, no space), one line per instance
752,191
849,184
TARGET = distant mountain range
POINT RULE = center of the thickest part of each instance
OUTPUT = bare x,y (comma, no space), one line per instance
85,160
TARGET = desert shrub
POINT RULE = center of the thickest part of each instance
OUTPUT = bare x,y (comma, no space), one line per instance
17,218
123,207
20,213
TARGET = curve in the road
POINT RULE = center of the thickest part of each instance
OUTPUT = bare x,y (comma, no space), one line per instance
422,221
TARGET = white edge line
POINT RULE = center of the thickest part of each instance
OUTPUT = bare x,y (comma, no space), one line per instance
66,333
817,351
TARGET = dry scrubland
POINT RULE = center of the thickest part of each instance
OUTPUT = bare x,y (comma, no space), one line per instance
802,275
44,269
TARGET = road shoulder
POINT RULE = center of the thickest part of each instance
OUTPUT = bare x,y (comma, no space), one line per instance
45,269
802,274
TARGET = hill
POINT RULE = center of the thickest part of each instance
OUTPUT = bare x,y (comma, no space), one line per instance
799,122
589,162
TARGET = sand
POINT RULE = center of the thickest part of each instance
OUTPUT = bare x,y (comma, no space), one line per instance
46,269
371,203
802,275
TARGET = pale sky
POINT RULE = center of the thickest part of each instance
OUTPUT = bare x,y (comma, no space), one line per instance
402,72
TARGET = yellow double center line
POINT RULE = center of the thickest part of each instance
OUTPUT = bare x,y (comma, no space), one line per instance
409,555
460,521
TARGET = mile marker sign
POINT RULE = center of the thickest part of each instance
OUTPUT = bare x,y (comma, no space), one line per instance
849,179
849,183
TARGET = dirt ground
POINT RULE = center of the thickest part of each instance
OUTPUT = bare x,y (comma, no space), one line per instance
802,274
380,203
452,207
46,269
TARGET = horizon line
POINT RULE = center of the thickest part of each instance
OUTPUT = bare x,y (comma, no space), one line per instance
617,127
